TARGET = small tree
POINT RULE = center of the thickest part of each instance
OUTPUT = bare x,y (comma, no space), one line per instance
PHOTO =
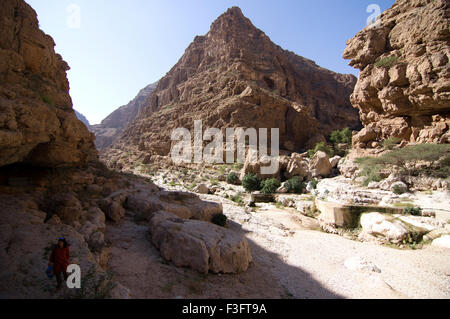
251,182
270,186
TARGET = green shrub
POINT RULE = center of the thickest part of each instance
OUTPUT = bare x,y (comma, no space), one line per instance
232,178
415,211
219,220
390,143
313,183
270,186
341,136
322,146
294,185
387,62
251,182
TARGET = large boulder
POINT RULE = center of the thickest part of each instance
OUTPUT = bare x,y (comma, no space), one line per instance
200,245
379,225
320,164
388,228
297,166
443,241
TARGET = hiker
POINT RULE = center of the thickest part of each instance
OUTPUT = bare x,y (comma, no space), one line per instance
60,260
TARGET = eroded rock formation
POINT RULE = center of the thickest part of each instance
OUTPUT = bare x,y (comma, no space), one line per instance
403,90
37,123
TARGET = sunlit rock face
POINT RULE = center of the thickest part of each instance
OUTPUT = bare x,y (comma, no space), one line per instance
235,76
403,89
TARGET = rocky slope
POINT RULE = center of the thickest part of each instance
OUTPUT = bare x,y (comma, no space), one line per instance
37,123
113,125
234,76
403,90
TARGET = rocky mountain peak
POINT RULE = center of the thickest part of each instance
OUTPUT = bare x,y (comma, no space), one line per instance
230,24
235,76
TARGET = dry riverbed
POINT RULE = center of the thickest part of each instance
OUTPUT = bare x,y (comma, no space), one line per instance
289,261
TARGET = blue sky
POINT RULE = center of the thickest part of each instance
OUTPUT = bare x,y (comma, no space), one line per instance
122,46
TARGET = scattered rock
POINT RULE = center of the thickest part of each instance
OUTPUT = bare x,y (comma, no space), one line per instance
201,189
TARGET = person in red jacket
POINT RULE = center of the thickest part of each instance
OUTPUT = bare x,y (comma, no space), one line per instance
60,260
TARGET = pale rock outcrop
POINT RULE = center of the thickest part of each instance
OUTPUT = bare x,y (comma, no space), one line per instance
205,246
388,228
334,161
320,164
378,225
443,241
403,90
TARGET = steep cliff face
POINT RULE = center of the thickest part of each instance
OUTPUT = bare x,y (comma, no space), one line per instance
403,90
113,125
234,76
37,123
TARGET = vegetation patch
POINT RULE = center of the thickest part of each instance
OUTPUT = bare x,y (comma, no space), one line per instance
390,143
232,178
438,155
270,186
251,182
332,146
387,62
294,185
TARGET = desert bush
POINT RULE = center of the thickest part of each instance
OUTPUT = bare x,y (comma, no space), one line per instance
237,199
251,182
390,143
387,62
219,220
294,185
415,211
436,154
341,136
270,185
232,178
